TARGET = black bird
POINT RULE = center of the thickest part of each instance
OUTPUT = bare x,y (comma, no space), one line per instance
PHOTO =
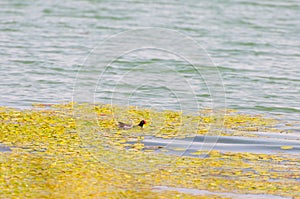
129,126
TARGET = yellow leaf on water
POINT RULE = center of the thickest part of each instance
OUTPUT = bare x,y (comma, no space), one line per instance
122,141
179,149
198,153
286,147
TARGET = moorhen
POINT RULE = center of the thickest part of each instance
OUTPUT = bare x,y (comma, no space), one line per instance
129,126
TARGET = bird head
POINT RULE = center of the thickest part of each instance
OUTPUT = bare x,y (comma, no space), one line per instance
142,122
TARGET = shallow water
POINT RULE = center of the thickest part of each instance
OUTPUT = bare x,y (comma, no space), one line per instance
4,148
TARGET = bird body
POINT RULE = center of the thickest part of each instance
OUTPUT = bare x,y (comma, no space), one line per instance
130,126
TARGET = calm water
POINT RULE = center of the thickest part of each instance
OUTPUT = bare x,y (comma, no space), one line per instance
255,44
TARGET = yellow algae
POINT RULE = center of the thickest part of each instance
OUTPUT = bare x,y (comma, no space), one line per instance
51,158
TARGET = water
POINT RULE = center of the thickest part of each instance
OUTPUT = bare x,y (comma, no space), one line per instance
255,44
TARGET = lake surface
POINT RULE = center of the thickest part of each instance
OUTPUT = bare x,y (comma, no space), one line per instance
54,51
255,44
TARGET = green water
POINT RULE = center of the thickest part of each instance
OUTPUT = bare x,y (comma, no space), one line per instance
255,44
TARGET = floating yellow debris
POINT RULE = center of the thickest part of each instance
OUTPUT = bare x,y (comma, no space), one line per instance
286,147
52,158
179,149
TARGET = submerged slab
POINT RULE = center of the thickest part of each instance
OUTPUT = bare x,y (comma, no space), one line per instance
226,144
222,194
